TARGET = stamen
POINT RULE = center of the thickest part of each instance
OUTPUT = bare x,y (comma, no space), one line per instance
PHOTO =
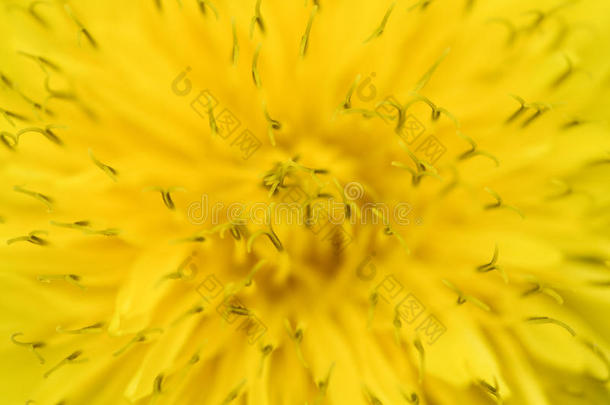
397,325
32,237
349,204
499,203
541,16
463,298
68,278
9,114
590,259
235,52
435,111
310,206
487,267
422,357
297,338
255,75
417,176
522,108
140,337
257,20
71,359
547,320
423,168
59,94
235,392
389,231
373,300
237,228
196,309
472,152
47,133
428,75
195,239
7,82
42,62
208,3
211,118
165,194
600,283
274,178
561,35
104,232
253,272
31,11
272,125
567,189
305,37
239,310
323,385
110,171
72,225
347,104
422,4
270,233
565,75
46,200
97,327
381,27
158,384
370,397
32,346
81,28
540,109
235,232
182,273
543,289
573,123
491,390
367,114
8,140
194,359
272,237
265,352
600,354
36,107
412,399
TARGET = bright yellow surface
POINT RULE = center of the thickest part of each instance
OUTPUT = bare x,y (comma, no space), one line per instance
103,76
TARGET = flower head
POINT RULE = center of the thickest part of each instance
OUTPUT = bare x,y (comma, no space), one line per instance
320,202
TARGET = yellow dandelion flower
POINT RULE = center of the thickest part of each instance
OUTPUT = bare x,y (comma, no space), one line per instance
304,202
